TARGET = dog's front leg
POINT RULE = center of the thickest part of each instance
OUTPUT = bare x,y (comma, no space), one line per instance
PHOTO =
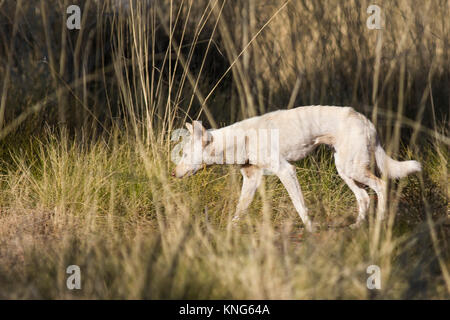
288,177
252,179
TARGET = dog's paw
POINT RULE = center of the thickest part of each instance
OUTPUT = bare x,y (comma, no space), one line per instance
357,224
235,220
311,227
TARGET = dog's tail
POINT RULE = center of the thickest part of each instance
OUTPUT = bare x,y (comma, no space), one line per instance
393,168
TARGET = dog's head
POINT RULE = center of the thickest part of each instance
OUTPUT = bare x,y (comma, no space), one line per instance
196,151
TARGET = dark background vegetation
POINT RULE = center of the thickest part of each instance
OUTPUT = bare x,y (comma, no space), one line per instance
40,55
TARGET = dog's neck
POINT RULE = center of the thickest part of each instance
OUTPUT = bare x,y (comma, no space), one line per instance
226,147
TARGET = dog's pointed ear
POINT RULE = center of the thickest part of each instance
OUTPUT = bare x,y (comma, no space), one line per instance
207,137
201,132
197,129
189,127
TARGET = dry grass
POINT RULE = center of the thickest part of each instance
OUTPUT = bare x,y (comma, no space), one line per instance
94,189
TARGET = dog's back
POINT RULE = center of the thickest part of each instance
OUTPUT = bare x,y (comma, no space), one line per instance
301,129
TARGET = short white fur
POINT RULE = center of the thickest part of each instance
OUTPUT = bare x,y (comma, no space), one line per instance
300,130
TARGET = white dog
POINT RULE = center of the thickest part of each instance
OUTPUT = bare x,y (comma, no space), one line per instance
293,134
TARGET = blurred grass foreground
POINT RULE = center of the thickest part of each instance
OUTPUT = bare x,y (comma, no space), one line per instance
86,117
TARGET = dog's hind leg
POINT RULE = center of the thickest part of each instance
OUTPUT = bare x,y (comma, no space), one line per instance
354,169
288,177
252,179
361,197
379,186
